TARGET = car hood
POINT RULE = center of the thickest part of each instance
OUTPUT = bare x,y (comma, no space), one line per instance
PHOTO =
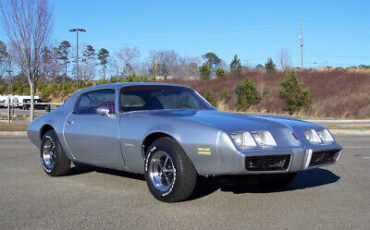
233,122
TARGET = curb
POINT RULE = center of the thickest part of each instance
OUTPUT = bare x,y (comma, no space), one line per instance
13,133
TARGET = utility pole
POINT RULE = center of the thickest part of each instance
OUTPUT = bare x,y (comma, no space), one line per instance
301,38
77,30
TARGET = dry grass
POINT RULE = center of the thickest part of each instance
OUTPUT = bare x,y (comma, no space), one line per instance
13,127
348,127
335,94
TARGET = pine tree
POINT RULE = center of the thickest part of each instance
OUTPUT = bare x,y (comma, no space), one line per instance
204,71
235,67
220,72
270,66
294,95
103,55
247,95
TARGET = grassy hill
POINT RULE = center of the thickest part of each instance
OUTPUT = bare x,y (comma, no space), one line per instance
334,94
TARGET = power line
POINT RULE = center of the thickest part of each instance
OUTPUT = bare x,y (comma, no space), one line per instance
342,56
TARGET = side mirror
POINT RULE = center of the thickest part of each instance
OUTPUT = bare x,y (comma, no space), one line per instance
104,111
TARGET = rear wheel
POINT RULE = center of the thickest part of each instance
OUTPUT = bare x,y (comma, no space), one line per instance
54,161
276,180
169,173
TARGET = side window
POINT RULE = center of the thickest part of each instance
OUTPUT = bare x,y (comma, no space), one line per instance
89,102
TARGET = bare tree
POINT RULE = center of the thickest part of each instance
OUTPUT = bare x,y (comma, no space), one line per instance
188,67
27,24
127,56
163,63
3,58
283,59
50,67
115,66
142,68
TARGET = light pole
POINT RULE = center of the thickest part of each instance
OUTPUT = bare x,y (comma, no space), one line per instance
77,30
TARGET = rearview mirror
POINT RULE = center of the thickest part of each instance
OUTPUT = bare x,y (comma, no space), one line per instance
104,111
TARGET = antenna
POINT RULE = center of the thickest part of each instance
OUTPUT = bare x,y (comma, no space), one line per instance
301,38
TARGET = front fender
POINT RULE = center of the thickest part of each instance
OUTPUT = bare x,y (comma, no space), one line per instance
192,137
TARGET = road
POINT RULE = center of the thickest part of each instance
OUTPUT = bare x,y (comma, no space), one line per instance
335,197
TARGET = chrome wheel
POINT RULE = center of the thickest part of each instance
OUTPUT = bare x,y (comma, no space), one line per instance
48,154
162,172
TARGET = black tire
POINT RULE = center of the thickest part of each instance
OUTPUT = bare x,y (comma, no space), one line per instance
61,163
184,177
276,181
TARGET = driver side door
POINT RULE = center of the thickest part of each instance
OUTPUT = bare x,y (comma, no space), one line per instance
93,138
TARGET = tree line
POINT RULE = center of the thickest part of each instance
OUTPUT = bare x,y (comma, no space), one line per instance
60,61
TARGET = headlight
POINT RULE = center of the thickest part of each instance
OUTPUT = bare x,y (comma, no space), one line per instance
264,138
325,136
243,140
312,136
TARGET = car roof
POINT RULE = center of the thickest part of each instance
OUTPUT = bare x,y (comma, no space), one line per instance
120,85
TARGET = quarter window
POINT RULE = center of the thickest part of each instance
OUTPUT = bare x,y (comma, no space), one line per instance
89,102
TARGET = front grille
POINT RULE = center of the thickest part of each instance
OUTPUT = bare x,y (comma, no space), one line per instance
267,163
323,157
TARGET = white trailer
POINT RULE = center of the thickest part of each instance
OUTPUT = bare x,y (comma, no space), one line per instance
20,99
16,99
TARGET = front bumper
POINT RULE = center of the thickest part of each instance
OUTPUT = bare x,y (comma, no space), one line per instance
299,158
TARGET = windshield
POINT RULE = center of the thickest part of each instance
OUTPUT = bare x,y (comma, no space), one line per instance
149,97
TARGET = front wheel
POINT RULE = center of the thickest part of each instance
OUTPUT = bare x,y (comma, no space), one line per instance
276,180
54,161
169,173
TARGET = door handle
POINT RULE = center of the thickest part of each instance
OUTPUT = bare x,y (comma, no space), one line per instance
69,122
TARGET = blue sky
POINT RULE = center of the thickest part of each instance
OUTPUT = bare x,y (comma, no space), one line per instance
335,33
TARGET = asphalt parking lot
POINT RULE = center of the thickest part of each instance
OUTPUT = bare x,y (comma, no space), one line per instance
334,197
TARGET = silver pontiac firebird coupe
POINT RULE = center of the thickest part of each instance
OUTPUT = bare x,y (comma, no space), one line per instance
173,135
